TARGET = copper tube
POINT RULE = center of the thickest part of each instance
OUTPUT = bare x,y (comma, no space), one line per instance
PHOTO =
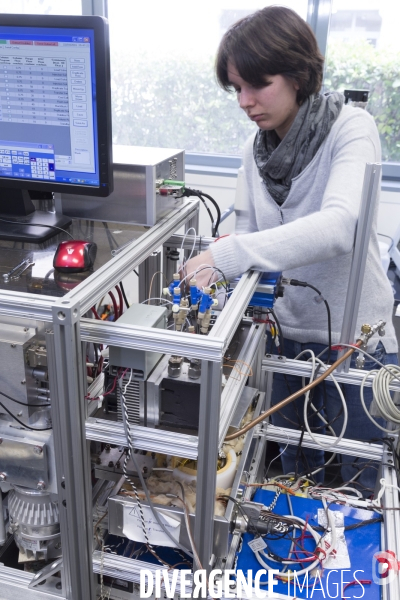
294,396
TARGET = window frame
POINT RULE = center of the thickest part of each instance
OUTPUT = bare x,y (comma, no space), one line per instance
318,17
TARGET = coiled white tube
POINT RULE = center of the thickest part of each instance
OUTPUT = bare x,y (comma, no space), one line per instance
384,401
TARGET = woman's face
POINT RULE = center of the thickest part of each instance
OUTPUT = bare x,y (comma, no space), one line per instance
272,106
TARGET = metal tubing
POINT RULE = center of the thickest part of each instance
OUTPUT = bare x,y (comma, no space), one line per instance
210,394
365,219
66,378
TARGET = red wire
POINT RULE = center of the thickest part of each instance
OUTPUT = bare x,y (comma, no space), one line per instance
96,314
222,236
121,300
113,386
356,582
115,305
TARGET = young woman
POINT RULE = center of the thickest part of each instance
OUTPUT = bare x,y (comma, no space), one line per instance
304,171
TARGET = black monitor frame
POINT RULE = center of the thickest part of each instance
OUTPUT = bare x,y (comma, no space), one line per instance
103,100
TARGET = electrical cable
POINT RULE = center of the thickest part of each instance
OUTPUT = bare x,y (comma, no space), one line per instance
121,300
115,306
296,282
381,392
259,553
24,424
95,313
218,220
38,225
131,454
194,244
342,398
281,340
22,403
121,285
394,373
214,227
294,396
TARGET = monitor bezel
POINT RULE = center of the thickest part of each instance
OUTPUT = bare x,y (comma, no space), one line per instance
103,100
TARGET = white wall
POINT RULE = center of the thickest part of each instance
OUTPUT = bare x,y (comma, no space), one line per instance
389,213
222,189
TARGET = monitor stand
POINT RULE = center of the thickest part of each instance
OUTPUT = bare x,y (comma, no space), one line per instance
21,222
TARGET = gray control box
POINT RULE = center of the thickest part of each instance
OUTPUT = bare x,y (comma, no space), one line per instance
140,361
134,199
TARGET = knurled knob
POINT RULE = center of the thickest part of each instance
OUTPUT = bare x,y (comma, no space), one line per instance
366,328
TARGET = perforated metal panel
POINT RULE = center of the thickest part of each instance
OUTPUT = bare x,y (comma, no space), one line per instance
134,397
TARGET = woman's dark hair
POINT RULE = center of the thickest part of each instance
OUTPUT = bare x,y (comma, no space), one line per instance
272,41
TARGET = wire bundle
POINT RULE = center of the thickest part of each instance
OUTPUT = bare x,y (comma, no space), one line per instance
383,399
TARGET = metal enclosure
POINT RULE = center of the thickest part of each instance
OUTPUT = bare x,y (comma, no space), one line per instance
134,199
63,321
141,362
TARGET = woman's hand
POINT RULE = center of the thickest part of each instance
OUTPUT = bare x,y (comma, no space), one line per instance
202,263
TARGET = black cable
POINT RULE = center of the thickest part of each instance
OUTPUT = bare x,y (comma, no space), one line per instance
353,525
209,213
23,424
251,528
213,202
136,273
123,293
281,341
296,282
22,403
111,238
37,225
199,194
223,283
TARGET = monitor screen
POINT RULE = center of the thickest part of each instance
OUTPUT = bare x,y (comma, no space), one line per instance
55,106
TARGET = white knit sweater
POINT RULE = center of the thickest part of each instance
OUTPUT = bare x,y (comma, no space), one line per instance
311,236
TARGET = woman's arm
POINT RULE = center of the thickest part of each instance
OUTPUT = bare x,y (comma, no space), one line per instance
316,237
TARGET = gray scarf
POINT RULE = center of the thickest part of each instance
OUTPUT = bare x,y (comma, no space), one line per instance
279,162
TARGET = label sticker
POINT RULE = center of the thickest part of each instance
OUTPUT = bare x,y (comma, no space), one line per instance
257,544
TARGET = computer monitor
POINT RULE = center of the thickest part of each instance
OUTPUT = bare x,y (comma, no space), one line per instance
55,117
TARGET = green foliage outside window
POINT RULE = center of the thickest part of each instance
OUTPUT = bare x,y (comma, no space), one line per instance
179,104
360,66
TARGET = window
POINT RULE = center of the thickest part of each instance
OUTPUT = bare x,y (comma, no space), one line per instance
164,91
363,52
41,7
